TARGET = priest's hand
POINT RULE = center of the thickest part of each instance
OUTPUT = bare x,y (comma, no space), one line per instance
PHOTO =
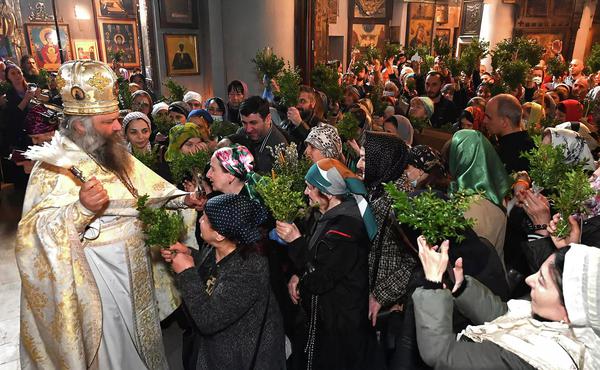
179,256
93,196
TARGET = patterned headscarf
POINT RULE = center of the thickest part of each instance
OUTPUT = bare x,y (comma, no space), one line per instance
475,115
237,160
475,165
325,139
386,156
178,135
575,148
330,176
236,217
426,159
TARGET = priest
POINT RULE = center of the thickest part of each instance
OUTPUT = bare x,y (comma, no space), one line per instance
88,289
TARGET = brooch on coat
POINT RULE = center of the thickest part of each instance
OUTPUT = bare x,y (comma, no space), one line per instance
210,285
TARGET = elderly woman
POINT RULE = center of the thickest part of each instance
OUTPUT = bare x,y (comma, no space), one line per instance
475,165
383,159
569,110
426,169
575,148
334,288
401,127
227,292
202,119
178,111
472,118
184,139
557,329
141,102
231,171
421,108
323,141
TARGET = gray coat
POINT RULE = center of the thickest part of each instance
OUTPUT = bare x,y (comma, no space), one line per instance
437,343
239,323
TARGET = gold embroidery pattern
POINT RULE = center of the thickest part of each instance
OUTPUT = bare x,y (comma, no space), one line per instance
60,82
98,81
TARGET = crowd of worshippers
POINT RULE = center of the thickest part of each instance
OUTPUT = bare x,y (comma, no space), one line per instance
353,289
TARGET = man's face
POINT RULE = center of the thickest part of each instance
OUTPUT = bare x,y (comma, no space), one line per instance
575,67
491,120
306,102
580,88
107,125
433,85
255,126
31,66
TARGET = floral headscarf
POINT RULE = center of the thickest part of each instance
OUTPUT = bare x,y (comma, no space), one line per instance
575,148
238,161
325,139
178,135
475,115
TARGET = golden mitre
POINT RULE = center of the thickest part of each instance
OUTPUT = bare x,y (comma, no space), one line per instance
87,88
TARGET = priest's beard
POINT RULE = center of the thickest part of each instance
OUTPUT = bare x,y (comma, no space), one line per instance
109,151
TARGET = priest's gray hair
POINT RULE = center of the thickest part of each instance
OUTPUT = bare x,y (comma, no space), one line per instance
90,141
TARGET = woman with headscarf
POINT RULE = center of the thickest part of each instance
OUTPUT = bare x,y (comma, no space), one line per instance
426,169
184,139
472,118
532,116
219,128
231,171
226,290
575,148
334,288
401,127
421,110
323,141
557,329
583,131
475,165
569,110
391,264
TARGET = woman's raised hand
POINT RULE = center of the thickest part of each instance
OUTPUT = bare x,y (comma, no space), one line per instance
434,262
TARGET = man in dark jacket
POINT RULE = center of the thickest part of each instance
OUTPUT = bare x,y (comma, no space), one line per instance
301,118
258,133
444,110
503,119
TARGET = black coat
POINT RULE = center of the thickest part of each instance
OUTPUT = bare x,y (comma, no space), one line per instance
238,323
263,158
510,148
335,266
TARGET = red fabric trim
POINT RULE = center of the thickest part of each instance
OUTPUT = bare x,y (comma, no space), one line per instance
338,233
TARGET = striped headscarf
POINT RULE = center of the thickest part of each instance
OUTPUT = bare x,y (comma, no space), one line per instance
331,177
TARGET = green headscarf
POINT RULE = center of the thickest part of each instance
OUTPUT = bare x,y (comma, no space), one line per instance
474,164
178,135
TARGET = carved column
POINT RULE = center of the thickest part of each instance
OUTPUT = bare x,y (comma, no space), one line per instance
321,31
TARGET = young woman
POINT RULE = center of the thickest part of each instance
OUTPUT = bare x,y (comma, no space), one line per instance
226,290
401,127
557,329
334,287
136,126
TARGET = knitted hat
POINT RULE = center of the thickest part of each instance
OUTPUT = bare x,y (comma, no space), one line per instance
158,107
132,116
325,139
236,217
192,95
180,107
201,113
428,104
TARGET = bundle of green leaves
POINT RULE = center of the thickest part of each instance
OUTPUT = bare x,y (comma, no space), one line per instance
43,78
289,163
517,48
514,73
278,195
163,124
419,124
437,219
572,191
471,55
149,159
371,53
161,227
187,166
289,81
267,63
454,66
4,87
376,96
422,50
391,49
593,61
441,48
556,67
176,90
325,79
546,165
125,98
348,127
358,65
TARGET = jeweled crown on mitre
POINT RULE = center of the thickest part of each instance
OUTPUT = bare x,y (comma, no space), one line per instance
87,88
